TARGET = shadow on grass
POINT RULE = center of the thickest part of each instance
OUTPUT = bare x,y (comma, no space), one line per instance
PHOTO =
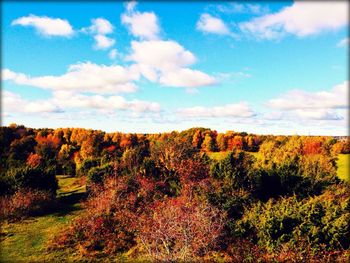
62,205
69,203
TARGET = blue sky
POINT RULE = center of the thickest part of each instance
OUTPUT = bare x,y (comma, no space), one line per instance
272,68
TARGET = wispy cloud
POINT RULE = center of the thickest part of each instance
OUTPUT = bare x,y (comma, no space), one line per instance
113,54
243,8
82,77
322,105
343,43
214,25
238,110
46,26
14,103
301,19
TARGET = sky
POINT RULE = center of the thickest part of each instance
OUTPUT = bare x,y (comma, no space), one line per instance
147,67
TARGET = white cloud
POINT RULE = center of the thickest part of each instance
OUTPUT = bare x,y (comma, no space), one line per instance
337,97
143,25
210,24
13,103
62,101
232,77
233,8
99,29
239,110
314,105
301,19
46,26
113,54
166,62
319,114
7,74
100,26
104,103
343,43
149,72
185,77
144,106
103,42
162,55
130,5
82,77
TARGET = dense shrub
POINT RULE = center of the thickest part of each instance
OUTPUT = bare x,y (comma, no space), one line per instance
108,223
68,168
86,166
25,202
7,185
34,178
321,221
235,170
99,173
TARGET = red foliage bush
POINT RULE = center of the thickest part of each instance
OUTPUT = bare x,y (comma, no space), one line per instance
179,229
34,160
107,224
23,203
312,146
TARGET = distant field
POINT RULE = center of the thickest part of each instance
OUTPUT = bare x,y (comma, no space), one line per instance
221,155
343,163
217,155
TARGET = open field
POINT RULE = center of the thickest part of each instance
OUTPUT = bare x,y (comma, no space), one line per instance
27,240
344,167
217,155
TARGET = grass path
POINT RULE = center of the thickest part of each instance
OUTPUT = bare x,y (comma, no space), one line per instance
25,241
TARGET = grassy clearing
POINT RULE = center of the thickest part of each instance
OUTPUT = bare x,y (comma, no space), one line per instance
70,185
343,163
217,155
27,240
221,155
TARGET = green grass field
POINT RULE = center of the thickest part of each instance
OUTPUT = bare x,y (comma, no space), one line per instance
221,155
69,185
217,155
343,163
26,240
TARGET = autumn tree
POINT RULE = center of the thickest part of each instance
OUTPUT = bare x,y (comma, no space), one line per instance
221,142
34,160
197,139
208,144
20,149
47,146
